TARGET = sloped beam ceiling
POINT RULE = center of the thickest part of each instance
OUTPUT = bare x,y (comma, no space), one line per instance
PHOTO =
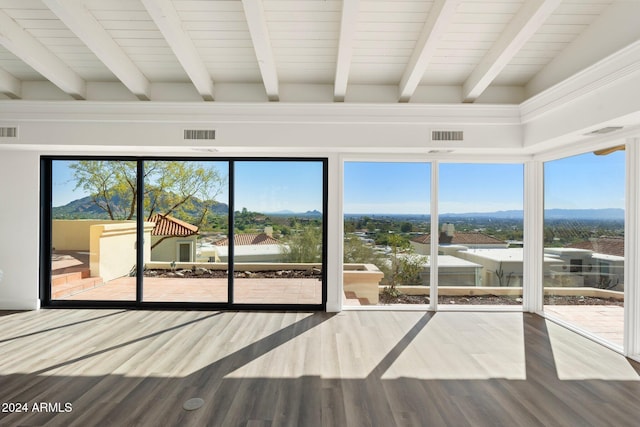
83,24
439,18
348,23
9,85
31,51
254,12
527,21
166,18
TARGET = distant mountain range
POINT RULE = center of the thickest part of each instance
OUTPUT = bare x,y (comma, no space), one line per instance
87,209
553,214
287,212
588,214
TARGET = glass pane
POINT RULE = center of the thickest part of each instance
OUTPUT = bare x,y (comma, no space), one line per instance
386,207
93,230
584,242
278,226
186,211
480,250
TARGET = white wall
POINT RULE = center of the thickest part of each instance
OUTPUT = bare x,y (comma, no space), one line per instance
19,230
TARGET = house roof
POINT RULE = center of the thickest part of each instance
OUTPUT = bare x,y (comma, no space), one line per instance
249,239
603,245
170,226
458,238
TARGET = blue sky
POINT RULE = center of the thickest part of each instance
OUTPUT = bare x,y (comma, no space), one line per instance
381,187
261,186
579,182
586,181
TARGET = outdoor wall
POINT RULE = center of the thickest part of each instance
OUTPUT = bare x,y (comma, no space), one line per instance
167,249
73,234
113,249
19,231
493,262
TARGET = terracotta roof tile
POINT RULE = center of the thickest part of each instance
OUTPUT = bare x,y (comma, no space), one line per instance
458,238
602,245
170,226
249,239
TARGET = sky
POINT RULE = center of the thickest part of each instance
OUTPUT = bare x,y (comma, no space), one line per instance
580,182
261,186
586,181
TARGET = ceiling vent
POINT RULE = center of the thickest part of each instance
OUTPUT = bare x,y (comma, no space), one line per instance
199,134
447,135
601,131
8,132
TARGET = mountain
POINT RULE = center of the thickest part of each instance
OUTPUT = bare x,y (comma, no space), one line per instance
287,212
550,214
85,208
585,214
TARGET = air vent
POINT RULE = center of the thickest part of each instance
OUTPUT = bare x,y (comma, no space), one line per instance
199,134
447,135
8,132
601,131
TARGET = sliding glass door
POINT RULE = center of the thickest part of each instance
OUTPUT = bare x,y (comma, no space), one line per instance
93,227
584,236
278,232
186,211
215,232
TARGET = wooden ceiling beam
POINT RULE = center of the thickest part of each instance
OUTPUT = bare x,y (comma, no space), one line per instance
440,16
348,24
168,21
84,25
26,47
256,20
525,24
9,85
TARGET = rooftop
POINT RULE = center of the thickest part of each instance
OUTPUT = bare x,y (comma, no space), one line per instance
169,226
245,239
461,238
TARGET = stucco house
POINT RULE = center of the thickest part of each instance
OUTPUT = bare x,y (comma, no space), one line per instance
173,239
251,247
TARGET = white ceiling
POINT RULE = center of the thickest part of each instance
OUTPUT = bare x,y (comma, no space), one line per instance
497,51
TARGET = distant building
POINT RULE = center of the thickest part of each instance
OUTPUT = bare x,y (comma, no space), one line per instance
597,262
451,241
173,239
251,247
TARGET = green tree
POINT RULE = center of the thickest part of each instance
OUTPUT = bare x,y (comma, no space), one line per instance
183,189
404,265
304,245
357,251
111,185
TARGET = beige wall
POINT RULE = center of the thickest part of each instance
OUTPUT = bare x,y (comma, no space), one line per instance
113,249
167,250
74,234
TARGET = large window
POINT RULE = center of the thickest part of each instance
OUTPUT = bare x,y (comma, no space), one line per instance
480,241
584,242
278,232
186,246
387,208
186,210
93,230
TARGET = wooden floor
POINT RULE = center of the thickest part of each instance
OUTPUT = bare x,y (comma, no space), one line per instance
358,368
